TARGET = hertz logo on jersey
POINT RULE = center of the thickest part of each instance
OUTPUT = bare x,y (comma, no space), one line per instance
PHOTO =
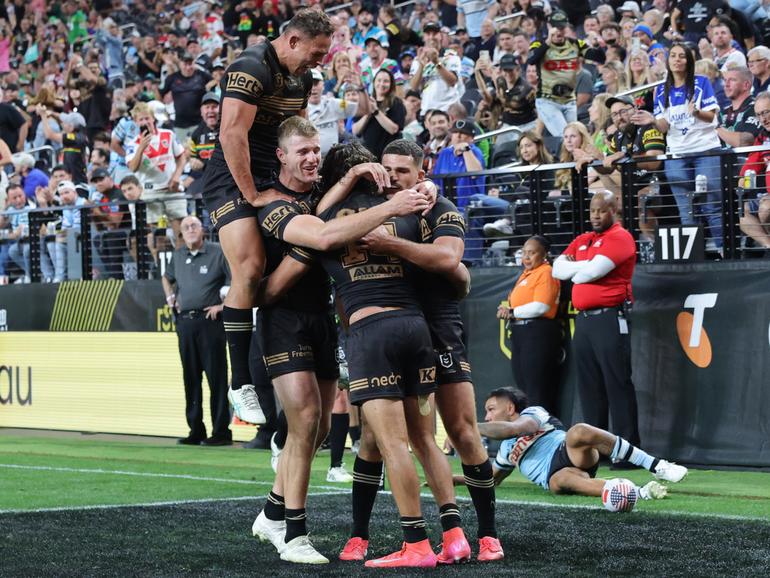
243,83
455,219
275,217
693,338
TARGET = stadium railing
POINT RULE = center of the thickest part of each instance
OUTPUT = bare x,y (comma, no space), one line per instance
536,206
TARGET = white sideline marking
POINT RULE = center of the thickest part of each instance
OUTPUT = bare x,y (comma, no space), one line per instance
327,491
154,504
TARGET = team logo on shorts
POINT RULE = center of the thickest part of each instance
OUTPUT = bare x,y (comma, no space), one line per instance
340,355
445,359
427,374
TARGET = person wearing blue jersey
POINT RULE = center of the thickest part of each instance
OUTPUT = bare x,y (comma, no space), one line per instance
685,110
561,461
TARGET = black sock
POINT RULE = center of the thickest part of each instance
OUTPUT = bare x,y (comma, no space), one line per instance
295,524
275,507
355,433
282,430
414,529
450,517
367,477
238,324
481,487
337,435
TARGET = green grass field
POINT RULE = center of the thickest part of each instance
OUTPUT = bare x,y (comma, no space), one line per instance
188,511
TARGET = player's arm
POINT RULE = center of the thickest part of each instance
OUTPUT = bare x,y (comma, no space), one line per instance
502,430
341,189
311,232
442,256
290,270
236,118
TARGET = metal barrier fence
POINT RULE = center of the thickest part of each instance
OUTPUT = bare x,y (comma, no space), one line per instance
678,207
107,240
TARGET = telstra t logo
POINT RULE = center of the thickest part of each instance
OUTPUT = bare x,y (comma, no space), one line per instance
689,327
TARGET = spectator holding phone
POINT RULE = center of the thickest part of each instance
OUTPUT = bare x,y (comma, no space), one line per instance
535,332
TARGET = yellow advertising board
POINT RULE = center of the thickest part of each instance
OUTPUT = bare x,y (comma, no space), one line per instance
113,382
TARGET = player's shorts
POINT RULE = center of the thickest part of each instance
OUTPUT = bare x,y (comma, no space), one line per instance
390,355
561,460
447,334
226,204
158,205
293,341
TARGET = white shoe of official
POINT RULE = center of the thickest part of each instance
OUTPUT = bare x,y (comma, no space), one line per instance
339,475
670,472
275,453
269,531
301,551
653,491
245,405
498,228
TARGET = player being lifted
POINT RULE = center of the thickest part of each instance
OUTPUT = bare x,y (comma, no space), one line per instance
297,332
262,87
443,230
564,462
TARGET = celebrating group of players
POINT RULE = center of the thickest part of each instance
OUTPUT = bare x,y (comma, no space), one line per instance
288,223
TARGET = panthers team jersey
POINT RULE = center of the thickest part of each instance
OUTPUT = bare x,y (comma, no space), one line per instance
533,453
312,292
257,77
364,278
437,296
557,65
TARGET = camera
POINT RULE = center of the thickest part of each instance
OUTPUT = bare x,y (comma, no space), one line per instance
561,90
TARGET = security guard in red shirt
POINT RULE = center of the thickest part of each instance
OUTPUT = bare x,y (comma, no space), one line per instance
600,264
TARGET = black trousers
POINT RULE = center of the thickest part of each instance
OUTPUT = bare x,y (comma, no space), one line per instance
603,358
203,348
535,352
262,386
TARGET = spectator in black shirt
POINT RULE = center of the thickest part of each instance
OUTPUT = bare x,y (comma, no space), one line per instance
114,219
389,22
74,142
517,97
201,145
13,126
187,87
386,121
739,126
148,58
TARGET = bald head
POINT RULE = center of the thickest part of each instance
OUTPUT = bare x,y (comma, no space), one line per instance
603,208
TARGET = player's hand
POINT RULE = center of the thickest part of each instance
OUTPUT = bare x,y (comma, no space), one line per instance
213,311
407,202
375,240
375,172
268,196
430,189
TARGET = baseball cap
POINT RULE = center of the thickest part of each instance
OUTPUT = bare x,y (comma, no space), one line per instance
461,30
151,77
644,29
210,97
187,57
218,63
317,75
630,6
74,118
508,62
596,55
431,27
379,36
65,185
407,52
464,126
559,19
624,99
98,174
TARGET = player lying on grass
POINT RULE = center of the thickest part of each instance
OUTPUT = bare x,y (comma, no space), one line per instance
564,462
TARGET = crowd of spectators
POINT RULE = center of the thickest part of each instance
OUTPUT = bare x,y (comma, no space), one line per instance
118,100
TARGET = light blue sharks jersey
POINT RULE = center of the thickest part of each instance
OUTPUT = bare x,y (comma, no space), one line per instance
533,453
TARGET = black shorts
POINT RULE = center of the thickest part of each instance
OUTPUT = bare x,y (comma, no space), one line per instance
448,337
560,460
225,203
390,355
293,341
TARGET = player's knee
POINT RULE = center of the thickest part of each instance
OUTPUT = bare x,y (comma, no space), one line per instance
248,271
581,432
307,422
465,439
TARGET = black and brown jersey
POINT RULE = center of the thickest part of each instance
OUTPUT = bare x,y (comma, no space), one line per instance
364,278
557,68
437,296
312,292
258,78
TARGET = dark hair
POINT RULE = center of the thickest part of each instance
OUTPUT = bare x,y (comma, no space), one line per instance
732,26
406,148
102,153
689,83
622,52
129,180
102,136
505,31
60,168
311,23
340,159
512,394
434,111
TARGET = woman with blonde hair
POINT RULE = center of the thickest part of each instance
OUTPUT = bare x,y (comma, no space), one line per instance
600,120
340,72
638,73
577,146
614,77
